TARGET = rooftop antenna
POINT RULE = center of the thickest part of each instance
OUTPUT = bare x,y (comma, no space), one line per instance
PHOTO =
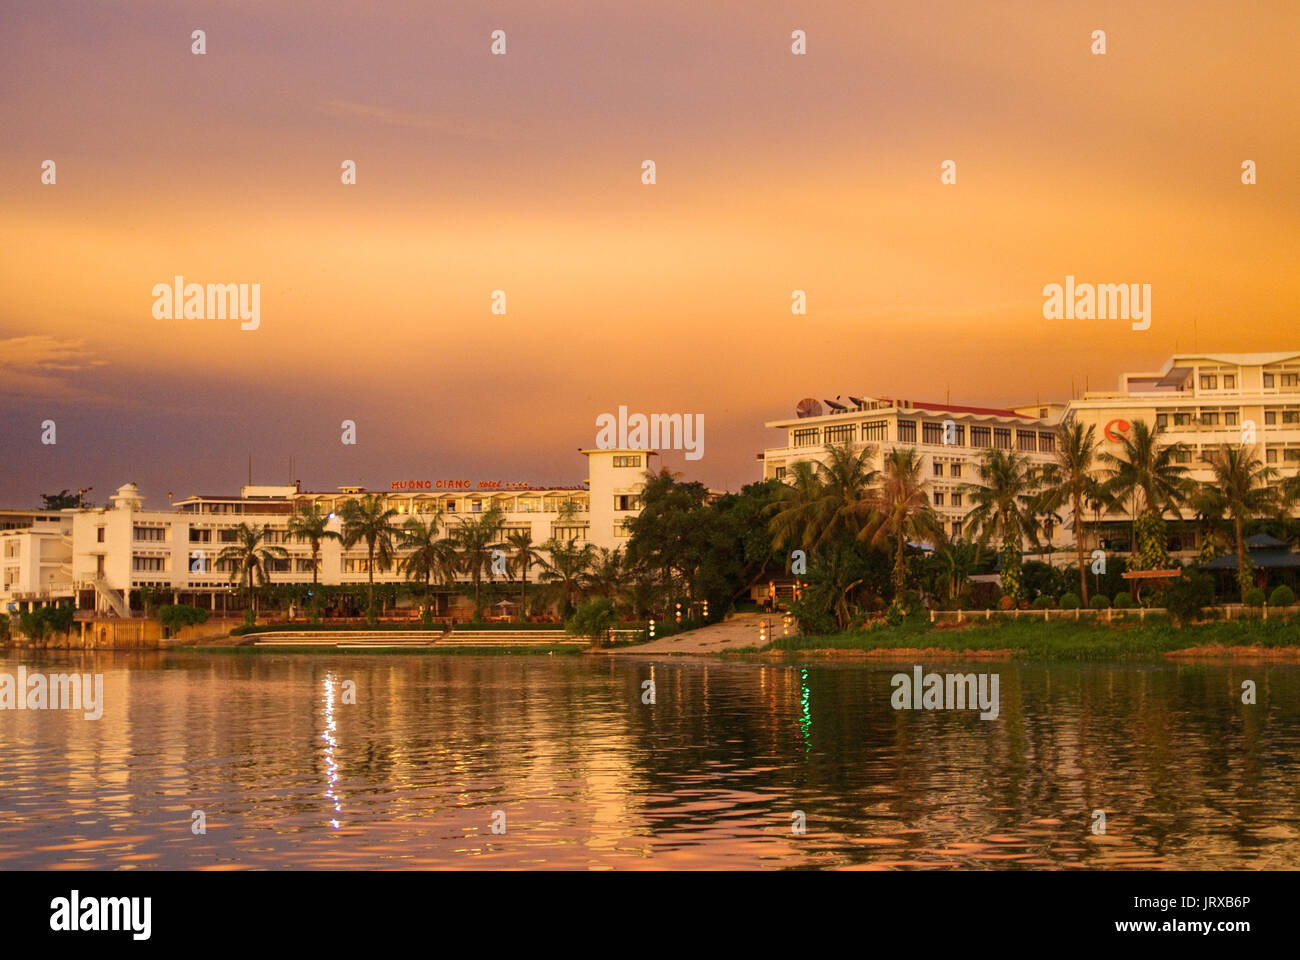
250,469
1196,335
947,393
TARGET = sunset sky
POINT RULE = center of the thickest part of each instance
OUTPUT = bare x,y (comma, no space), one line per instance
522,172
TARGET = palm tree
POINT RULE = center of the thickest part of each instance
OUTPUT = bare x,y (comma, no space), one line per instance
475,541
905,512
1244,488
825,500
1070,480
431,556
309,524
1003,509
606,576
564,565
251,555
959,558
522,560
370,520
1147,473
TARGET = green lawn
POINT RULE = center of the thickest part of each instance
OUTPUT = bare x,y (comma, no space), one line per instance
1035,640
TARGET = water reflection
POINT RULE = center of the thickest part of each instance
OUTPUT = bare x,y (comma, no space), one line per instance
590,776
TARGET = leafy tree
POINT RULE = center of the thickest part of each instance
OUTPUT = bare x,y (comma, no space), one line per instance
522,559
1071,481
62,500
431,557
904,510
1003,510
1147,473
592,619
1242,487
309,524
250,556
1189,595
475,541
565,564
370,520
177,615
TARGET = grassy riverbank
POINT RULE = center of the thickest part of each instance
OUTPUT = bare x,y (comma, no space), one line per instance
1034,640
441,650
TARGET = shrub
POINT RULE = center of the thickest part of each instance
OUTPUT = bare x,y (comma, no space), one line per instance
250,618
1253,598
1190,594
43,620
1070,601
1042,603
1123,601
1099,602
1283,596
592,619
175,616
1006,602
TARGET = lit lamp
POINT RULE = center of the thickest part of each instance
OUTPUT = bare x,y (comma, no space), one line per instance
652,629
679,613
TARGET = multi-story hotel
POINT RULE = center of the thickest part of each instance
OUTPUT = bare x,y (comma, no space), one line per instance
99,556
1200,400
948,438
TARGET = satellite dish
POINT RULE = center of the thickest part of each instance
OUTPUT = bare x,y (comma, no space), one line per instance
835,406
857,401
808,407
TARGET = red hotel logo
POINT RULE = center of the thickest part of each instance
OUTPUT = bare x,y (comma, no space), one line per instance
460,485
1121,426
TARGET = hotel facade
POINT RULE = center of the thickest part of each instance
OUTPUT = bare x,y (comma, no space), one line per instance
1199,400
102,557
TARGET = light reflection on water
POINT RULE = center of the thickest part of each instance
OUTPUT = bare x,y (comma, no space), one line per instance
708,775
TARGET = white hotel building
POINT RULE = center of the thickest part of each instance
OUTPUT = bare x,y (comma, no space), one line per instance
1199,400
102,557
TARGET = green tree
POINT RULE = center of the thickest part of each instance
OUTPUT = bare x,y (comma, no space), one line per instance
565,564
475,541
309,524
431,557
523,558
1071,481
1003,501
1242,488
904,511
1146,473
369,519
250,557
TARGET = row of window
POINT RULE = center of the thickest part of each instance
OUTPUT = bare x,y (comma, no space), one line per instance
932,433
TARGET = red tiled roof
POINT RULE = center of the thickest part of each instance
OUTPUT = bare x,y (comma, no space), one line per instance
954,408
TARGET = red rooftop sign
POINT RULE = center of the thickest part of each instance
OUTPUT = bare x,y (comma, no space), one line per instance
459,485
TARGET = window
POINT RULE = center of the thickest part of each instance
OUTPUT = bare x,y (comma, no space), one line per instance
157,534
1290,379
931,432
476,506
907,431
302,566
625,501
979,437
569,533
622,530
1229,381
841,434
1270,418
1291,416
1002,438
956,499
938,469
877,430
1270,456
938,498
1182,455
1182,419
99,534
780,473
956,529
634,461
1026,440
1162,420
202,536
449,506
1210,418
1047,442
355,564
1209,381
954,469
149,564
1042,413
807,437
1230,418
1291,455
227,536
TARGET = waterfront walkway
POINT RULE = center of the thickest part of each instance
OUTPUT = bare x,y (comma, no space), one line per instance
740,631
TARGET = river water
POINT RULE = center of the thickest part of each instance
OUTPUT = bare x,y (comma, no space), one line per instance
561,756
